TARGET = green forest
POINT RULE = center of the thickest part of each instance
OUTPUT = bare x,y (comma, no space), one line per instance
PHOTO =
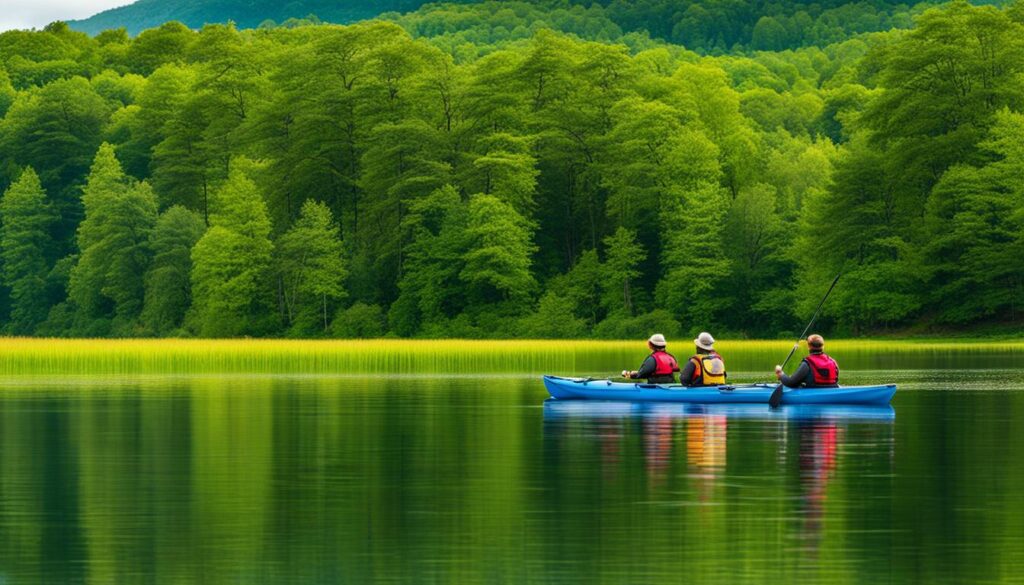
518,169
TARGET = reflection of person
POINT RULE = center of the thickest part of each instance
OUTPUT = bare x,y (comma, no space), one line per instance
706,438
706,367
609,432
819,446
658,432
659,367
817,370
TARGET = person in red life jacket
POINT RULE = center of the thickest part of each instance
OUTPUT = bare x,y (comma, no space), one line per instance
659,367
817,370
706,367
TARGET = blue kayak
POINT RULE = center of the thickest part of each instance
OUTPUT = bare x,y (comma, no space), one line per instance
590,389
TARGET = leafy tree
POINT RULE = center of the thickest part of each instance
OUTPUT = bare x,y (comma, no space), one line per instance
26,219
430,290
159,46
879,264
231,261
497,258
360,321
718,107
187,165
56,130
635,171
755,238
508,172
158,104
118,90
553,319
585,284
656,162
7,92
623,256
975,221
694,259
622,326
312,264
942,84
769,35
107,281
168,291
405,162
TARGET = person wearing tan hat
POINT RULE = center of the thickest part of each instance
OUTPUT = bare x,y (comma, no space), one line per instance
706,367
817,370
659,367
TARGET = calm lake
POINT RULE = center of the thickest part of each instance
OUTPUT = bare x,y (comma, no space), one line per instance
413,478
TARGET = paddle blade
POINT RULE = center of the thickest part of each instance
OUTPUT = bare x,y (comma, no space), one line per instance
776,398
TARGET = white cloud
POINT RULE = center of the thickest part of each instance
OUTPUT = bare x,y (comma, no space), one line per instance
39,13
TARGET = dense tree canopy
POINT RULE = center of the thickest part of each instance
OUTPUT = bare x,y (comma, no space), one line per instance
440,173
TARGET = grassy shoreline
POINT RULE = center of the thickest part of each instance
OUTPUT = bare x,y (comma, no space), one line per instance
30,356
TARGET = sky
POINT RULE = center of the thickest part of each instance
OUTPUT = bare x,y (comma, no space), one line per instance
39,13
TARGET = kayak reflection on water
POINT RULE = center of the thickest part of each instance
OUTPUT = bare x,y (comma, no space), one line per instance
809,440
567,409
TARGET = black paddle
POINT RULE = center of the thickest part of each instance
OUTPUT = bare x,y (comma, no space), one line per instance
776,398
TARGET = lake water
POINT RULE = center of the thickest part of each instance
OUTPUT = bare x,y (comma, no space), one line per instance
475,479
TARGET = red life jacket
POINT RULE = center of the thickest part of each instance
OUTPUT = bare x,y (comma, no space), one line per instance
666,363
823,368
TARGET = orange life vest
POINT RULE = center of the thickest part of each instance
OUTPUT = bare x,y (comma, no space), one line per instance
709,369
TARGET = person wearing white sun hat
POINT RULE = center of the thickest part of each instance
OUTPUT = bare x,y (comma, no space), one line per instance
706,367
659,367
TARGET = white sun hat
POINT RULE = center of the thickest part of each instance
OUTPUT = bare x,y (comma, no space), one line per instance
658,339
705,341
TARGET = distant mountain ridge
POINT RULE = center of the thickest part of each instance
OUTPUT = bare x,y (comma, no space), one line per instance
724,21
145,14
706,26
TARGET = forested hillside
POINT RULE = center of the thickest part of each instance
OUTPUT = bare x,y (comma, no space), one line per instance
410,177
701,25
144,14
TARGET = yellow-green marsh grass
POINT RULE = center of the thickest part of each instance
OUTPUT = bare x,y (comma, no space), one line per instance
30,356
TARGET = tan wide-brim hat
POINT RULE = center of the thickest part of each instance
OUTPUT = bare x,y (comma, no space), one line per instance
658,340
705,341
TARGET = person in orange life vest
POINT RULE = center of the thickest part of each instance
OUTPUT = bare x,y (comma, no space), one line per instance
706,367
659,367
817,370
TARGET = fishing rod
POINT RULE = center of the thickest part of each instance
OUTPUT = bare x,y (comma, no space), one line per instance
776,397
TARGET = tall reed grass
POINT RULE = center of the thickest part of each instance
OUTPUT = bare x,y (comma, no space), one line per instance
30,356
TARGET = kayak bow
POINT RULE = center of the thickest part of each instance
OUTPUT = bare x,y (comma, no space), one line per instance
589,389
